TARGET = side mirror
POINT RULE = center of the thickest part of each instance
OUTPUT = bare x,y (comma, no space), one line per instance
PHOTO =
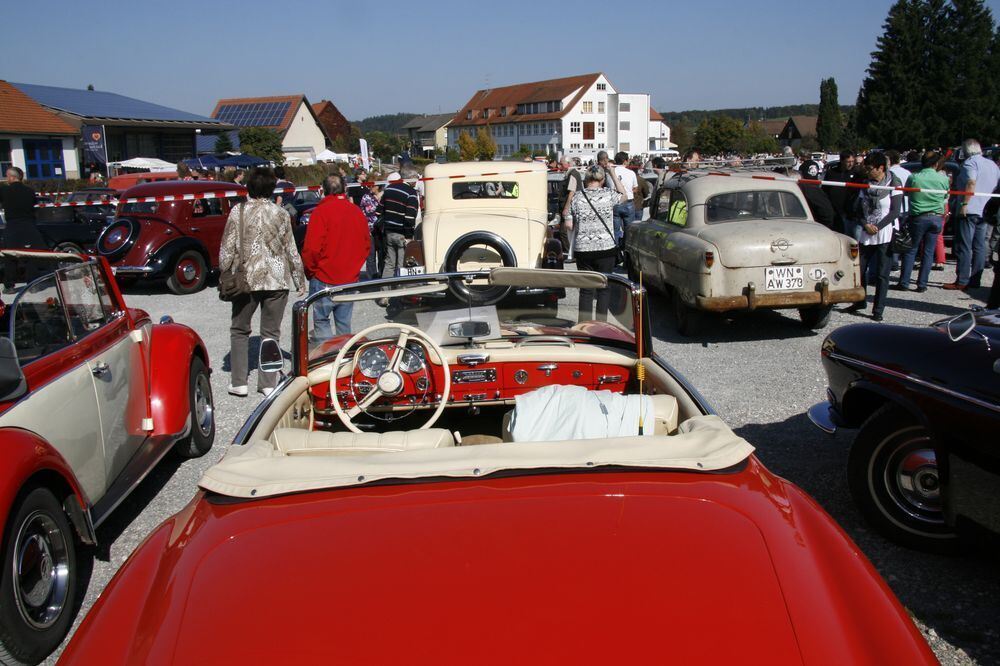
270,358
12,383
469,329
961,326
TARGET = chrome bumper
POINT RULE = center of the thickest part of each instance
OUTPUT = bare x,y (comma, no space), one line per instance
141,270
824,418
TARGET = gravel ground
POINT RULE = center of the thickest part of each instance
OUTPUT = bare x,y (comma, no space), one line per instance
760,371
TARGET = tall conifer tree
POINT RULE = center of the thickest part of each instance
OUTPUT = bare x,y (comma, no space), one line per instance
830,122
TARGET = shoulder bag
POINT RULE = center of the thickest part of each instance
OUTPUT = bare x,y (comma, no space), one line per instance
233,283
619,257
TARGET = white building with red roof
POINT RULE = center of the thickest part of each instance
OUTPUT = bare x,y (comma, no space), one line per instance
34,139
291,116
576,116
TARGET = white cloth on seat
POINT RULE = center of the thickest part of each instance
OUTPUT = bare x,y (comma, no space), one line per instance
557,413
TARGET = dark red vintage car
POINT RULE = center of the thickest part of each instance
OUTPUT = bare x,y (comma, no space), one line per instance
492,484
177,240
92,396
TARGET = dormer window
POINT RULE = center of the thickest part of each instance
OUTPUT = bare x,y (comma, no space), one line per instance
468,114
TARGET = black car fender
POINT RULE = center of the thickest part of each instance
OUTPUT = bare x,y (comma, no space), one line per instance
162,260
864,397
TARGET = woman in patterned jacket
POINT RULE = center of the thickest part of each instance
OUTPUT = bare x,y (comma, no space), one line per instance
258,235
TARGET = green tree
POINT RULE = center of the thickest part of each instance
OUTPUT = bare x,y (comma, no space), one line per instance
452,155
223,144
755,140
830,122
383,144
262,142
466,146
486,147
719,134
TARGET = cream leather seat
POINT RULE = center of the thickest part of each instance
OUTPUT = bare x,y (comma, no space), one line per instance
664,417
298,441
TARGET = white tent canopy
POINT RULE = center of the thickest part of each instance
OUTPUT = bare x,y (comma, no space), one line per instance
150,163
330,156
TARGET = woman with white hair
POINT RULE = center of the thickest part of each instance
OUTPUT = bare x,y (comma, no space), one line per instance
596,248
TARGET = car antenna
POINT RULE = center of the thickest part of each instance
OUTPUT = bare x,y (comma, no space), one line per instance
640,368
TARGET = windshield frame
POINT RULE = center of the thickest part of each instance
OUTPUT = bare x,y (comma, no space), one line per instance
301,362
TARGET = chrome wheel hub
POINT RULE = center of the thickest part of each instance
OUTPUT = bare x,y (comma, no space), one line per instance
914,482
188,271
41,570
204,411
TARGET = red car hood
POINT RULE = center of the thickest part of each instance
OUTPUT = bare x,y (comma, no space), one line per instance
620,568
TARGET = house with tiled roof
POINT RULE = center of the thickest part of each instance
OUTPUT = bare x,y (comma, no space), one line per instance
575,115
331,120
34,139
291,116
659,132
126,127
795,129
427,134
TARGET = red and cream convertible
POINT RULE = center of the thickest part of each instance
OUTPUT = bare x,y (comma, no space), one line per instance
492,484
92,395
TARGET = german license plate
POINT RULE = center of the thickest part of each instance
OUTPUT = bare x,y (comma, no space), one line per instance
783,278
411,270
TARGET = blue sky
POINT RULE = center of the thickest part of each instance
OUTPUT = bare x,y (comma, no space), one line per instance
425,56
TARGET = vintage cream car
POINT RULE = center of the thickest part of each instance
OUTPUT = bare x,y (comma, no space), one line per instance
483,215
721,243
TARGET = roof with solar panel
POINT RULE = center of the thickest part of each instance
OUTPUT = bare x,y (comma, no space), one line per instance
108,106
276,113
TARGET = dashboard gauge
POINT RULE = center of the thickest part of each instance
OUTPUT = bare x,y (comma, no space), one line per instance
413,361
373,362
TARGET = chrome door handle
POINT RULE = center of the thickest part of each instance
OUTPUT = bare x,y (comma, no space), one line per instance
101,369
195,228
547,368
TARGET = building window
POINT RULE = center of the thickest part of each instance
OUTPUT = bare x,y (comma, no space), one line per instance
486,113
574,145
588,146
600,107
574,127
625,125
600,127
503,111
602,86
600,146
588,107
625,107
468,114
624,147
5,160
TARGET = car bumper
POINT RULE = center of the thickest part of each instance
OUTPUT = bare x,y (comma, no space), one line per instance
750,299
825,417
132,270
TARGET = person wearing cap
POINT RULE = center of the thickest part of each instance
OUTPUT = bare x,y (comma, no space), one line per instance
818,200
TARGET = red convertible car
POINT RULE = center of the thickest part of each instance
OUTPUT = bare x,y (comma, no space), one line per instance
92,396
492,484
175,240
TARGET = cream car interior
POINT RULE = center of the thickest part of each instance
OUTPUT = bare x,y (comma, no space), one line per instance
301,443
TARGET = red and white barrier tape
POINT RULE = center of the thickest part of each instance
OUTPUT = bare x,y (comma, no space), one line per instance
218,194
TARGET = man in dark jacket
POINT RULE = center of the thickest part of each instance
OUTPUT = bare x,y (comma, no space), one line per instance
18,201
843,199
398,212
818,200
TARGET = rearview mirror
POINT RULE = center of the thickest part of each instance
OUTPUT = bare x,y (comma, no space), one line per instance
469,329
12,384
270,358
961,326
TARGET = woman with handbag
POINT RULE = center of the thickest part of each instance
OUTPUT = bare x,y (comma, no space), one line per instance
879,207
596,248
258,264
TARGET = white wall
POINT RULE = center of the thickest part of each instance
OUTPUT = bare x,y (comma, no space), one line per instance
635,139
304,136
71,163
573,143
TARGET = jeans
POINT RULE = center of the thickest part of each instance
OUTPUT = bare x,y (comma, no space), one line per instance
322,311
272,309
970,249
624,214
878,258
395,244
924,229
590,261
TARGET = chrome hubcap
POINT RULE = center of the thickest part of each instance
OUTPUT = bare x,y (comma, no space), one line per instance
204,411
41,570
188,271
913,481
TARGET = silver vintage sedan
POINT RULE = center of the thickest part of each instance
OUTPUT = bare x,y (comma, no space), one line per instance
724,243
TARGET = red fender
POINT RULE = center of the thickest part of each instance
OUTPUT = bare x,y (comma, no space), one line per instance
171,349
26,455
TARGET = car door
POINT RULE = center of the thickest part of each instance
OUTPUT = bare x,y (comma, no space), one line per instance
116,356
673,221
61,404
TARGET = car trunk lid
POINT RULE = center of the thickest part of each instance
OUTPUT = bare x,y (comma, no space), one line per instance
748,244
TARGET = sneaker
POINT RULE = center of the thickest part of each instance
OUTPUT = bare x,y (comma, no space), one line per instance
855,307
877,317
382,302
898,287
920,290
241,391
267,390
937,267
954,286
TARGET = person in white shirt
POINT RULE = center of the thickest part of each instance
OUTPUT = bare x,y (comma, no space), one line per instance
625,211
880,209
982,176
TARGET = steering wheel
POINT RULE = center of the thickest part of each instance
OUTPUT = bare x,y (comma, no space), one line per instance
390,383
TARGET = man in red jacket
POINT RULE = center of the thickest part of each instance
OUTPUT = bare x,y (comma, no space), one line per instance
335,250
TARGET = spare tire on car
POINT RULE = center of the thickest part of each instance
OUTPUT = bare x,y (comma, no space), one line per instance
478,250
